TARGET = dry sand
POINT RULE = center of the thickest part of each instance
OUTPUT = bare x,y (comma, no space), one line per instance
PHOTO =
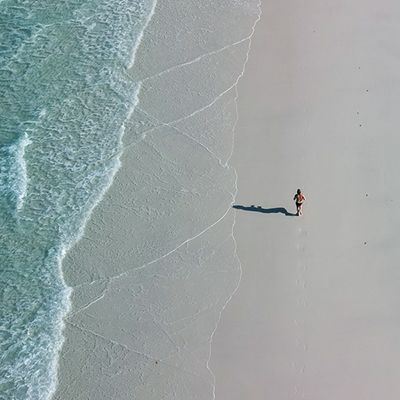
316,315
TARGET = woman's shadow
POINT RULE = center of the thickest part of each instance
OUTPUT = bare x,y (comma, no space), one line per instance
275,210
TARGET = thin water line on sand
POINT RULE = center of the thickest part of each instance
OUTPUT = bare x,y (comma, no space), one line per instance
210,104
185,242
130,350
196,59
207,105
183,133
236,186
171,123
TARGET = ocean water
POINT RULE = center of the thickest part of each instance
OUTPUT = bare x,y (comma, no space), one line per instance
64,98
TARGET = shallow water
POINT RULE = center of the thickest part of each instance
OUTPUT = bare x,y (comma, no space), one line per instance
64,98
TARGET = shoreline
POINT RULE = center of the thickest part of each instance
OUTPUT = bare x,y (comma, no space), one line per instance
67,308
66,97
128,331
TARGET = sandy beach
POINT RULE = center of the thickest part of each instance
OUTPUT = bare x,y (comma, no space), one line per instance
310,92
157,261
150,153
316,313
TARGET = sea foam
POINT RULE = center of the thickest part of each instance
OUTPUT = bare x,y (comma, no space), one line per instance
65,98
21,176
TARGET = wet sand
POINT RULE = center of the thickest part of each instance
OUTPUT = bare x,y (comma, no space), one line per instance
157,262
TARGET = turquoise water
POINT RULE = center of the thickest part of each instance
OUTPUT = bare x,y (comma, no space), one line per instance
64,98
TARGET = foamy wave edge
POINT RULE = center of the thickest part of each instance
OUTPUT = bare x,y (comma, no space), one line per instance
66,305
22,177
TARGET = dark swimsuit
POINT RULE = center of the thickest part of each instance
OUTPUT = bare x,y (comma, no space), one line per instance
298,205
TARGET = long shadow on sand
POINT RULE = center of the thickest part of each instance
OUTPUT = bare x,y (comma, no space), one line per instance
275,210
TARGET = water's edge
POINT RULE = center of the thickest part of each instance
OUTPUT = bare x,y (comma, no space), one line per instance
253,29
166,235
66,95
69,290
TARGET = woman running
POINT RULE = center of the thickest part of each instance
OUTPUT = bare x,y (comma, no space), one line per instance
299,199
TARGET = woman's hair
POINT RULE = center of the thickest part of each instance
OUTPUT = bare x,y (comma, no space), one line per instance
298,191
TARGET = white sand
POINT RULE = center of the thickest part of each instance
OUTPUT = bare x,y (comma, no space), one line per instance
317,316
157,262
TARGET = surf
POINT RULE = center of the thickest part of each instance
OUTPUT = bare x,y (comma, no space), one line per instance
66,96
